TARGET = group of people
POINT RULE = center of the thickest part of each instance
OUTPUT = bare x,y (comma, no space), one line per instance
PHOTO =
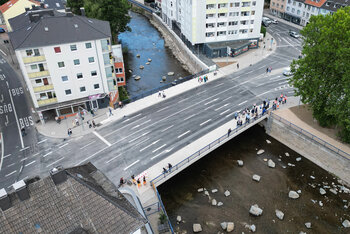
133,181
169,168
282,99
202,79
268,70
161,94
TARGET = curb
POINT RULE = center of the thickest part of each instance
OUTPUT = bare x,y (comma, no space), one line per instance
2,150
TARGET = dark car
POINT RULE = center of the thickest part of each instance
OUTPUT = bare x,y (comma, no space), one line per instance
2,30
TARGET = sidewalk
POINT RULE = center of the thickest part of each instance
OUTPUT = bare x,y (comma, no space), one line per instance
53,129
268,14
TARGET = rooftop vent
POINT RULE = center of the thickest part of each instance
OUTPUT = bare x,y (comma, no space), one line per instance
42,5
5,201
82,11
27,9
34,17
33,7
46,29
75,26
21,189
58,175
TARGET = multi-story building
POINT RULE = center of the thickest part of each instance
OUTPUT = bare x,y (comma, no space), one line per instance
278,7
216,27
66,60
119,64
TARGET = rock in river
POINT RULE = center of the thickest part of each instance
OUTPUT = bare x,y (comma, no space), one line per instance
322,191
279,214
178,218
227,193
294,195
214,202
230,226
346,223
220,203
256,178
171,73
252,228
240,163
200,190
197,227
271,164
308,225
268,142
255,210
261,151
214,191
223,225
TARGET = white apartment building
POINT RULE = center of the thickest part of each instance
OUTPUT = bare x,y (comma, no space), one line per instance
65,59
204,22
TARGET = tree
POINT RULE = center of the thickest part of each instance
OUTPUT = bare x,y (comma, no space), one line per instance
75,6
114,11
322,74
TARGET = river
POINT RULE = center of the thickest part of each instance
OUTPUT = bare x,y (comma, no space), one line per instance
219,170
146,41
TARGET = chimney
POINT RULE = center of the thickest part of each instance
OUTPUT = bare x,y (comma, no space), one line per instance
5,201
33,7
27,9
82,11
34,17
68,9
21,190
42,5
58,175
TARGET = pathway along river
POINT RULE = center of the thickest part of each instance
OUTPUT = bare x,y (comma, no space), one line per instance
146,41
219,170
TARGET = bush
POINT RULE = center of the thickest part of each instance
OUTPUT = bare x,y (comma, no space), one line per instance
162,218
263,30
123,94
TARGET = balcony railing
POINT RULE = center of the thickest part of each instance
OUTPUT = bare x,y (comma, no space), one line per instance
43,88
47,101
34,59
38,74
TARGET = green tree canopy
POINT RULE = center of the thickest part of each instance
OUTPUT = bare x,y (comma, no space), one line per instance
114,11
322,75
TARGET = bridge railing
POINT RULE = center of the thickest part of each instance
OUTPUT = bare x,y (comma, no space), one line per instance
312,137
200,152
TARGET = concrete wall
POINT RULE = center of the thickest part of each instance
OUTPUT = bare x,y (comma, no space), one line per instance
308,148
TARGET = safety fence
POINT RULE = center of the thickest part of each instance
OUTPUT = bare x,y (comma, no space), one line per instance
312,137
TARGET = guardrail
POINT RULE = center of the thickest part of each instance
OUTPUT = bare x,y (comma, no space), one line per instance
142,6
313,137
163,87
219,141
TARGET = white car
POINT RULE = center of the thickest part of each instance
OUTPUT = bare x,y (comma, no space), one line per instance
274,21
287,72
294,34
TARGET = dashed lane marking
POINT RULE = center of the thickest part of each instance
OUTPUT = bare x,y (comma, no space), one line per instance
142,142
47,154
92,155
87,145
149,145
225,111
201,92
163,109
184,134
226,99
11,173
55,162
211,101
41,141
183,100
167,128
113,158
144,134
242,103
205,122
63,145
135,126
131,118
132,164
209,107
158,148
10,165
101,138
29,163
7,155
24,148
218,85
221,107
23,159
188,117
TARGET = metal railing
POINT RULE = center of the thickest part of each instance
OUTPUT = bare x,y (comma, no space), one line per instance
163,87
151,209
313,137
162,206
218,141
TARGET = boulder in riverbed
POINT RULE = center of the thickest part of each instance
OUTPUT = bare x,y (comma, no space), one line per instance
308,225
206,193
298,159
268,142
261,151
178,218
220,203
200,190
271,164
197,227
279,214
346,223
322,191
255,210
292,194
171,73
240,163
227,193
223,225
256,178
230,226
287,154
252,228
214,191
149,60
214,202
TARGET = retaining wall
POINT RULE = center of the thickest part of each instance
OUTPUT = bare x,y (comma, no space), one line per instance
309,148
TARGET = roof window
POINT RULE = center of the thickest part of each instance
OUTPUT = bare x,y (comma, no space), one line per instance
90,21
46,29
29,28
75,26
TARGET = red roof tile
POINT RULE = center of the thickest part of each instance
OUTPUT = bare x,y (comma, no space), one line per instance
10,3
314,3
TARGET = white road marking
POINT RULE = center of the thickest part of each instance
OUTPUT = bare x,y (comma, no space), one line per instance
14,111
29,163
158,148
7,155
144,134
229,115
201,92
10,164
188,117
163,109
63,146
149,145
25,178
101,138
209,107
225,111
113,158
157,155
36,154
226,99
147,121
261,67
167,128
47,154
10,173
78,138
41,141
218,85
242,103
24,148
211,101
132,164
184,134
91,156
135,126
183,100
23,159
131,118
141,142
2,150
221,107
205,122
249,72
55,162
263,93
87,144
284,82
291,92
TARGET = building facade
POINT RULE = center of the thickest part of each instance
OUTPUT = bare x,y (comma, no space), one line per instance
66,61
201,22
119,64
278,7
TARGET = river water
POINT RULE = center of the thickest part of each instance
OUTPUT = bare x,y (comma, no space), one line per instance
219,170
146,41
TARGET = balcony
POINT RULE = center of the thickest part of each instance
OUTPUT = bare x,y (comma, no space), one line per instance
47,101
42,88
38,74
34,59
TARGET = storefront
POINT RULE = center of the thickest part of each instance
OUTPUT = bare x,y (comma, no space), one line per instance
231,48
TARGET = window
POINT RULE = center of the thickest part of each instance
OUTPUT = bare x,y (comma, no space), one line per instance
252,22
76,62
118,70
288,8
251,30
210,34
80,75
34,67
221,24
245,13
64,78
88,45
253,12
210,6
236,4
254,3
231,23
60,64
94,73
298,12
96,86
234,14
293,10
221,33
245,4
82,89
210,16
243,31
68,92
29,52
221,15
244,22
221,5
91,59
73,47
57,50
231,32
38,81
210,25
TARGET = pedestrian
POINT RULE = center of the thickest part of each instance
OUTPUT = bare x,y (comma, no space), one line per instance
264,46
76,121
164,170
229,132
159,94
285,99
144,180
23,130
121,181
237,65
89,123
270,69
110,111
133,179
236,115
164,96
92,113
138,183
267,70
120,104
207,78
93,123
170,166
58,120
247,118
69,132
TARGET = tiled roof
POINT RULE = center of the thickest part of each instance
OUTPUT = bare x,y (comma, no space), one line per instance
334,5
10,3
86,202
315,3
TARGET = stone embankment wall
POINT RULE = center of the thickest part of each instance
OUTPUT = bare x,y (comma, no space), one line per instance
310,149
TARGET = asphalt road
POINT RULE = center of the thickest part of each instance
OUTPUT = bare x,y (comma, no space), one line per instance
137,142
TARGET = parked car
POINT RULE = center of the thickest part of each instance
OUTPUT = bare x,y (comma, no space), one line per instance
274,21
287,72
294,34
2,30
266,21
